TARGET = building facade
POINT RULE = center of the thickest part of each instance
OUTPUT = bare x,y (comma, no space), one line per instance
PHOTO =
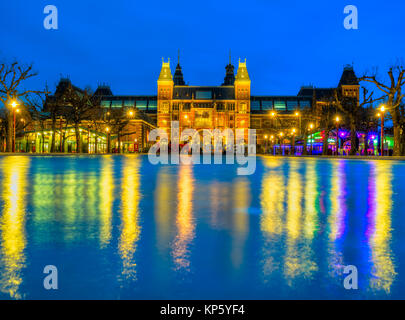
278,120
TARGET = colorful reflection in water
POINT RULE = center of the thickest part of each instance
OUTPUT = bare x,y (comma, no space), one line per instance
379,229
119,227
13,218
184,219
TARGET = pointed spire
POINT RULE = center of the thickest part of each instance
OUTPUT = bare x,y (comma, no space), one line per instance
229,79
178,74
349,77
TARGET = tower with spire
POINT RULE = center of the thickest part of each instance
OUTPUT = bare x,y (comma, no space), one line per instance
178,74
229,79
165,95
242,96
349,83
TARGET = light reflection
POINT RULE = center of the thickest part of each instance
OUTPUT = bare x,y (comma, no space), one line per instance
336,218
272,201
106,199
130,228
379,229
298,261
184,219
220,204
13,238
163,195
311,200
241,193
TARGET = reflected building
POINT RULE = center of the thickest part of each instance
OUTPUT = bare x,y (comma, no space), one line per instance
130,225
106,196
185,223
379,230
12,224
272,199
336,219
240,224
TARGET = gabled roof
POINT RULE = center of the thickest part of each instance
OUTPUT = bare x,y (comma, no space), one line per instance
198,92
320,93
348,77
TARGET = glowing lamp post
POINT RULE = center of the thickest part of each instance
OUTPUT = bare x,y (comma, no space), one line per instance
293,141
281,142
14,105
297,114
311,127
265,147
108,139
382,130
337,135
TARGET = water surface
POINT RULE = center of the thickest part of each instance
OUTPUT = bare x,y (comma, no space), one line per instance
117,227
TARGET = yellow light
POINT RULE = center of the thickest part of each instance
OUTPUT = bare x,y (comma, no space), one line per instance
131,113
311,126
382,108
271,137
265,137
378,114
185,116
18,110
293,130
14,104
297,114
281,134
273,114
107,129
337,119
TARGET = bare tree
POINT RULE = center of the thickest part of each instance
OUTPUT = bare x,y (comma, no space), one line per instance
352,110
12,76
392,92
36,107
81,103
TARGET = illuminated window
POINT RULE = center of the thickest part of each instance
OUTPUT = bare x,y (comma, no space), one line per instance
292,105
152,105
279,105
129,103
164,108
243,107
305,104
203,95
255,105
141,104
267,105
116,104
106,103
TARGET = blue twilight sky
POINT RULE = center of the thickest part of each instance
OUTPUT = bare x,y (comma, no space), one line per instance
287,43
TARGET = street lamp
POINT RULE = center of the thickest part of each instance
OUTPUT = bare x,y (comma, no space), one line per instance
337,135
297,114
311,126
107,129
281,141
293,141
14,105
265,139
382,109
